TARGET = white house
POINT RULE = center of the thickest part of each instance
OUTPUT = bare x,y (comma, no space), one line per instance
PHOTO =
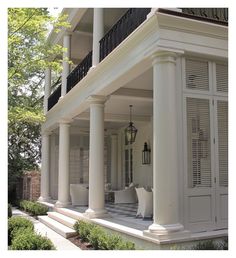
171,66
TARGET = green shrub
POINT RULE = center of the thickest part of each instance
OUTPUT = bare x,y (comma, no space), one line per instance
83,229
30,241
211,245
125,245
33,208
9,210
98,239
16,224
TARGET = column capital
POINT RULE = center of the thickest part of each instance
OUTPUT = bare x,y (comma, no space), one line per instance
46,133
97,99
65,121
164,57
67,33
114,136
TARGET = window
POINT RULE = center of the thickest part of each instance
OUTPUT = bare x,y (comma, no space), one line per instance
198,133
197,75
222,122
128,163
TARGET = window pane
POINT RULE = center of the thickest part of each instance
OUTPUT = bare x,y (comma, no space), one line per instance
198,137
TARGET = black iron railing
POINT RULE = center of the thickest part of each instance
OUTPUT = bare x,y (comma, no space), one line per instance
124,26
218,14
79,72
54,97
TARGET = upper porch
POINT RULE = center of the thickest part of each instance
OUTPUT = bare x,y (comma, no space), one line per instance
100,34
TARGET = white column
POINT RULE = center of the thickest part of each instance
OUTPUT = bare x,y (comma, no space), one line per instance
114,159
65,65
96,158
166,224
98,32
45,168
47,89
63,167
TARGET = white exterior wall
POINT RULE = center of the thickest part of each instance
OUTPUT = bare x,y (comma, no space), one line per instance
142,174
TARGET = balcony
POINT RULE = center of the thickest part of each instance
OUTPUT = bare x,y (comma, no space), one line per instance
79,72
122,29
213,15
54,97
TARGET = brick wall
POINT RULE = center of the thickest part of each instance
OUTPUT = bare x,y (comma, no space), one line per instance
29,186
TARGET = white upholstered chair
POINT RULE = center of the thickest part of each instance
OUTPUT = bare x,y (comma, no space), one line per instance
127,195
79,194
145,202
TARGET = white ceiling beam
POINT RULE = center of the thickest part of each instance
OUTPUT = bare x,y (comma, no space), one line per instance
116,117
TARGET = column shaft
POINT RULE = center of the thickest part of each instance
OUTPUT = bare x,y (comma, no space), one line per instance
47,89
96,159
63,167
98,32
45,169
165,152
114,161
66,65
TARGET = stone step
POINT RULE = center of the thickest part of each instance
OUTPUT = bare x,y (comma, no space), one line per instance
70,213
57,226
65,220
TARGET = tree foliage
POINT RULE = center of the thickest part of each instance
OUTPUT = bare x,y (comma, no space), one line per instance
29,54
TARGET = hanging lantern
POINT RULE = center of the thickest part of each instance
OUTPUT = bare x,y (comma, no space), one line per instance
146,155
130,130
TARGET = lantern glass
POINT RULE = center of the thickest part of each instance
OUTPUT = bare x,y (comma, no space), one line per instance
146,157
130,133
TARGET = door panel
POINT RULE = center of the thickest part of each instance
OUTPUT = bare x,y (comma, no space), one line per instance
221,132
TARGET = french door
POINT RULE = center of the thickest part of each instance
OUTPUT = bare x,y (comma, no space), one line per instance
206,146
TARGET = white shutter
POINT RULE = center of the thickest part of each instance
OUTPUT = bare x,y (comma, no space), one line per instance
197,75
198,137
222,77
222,120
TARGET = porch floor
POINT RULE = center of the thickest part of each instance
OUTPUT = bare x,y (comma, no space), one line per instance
122,214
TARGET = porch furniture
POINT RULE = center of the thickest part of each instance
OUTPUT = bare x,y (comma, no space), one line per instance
109,196
127,195
79,194
145,202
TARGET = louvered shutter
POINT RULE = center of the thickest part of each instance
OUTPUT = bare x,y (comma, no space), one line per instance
222,120
197,75
198,140
222,77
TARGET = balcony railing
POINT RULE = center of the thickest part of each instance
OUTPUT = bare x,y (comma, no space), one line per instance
123,28
213,15
79,72
217,14
54,97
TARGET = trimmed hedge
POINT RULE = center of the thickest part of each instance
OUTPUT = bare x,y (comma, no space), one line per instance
16,225
211,245
99,239
21,236
28,240
33,208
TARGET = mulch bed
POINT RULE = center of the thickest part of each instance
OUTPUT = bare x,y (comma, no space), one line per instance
82,245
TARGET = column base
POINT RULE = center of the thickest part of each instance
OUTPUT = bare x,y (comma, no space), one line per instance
44,199
59,204
96,213
167,232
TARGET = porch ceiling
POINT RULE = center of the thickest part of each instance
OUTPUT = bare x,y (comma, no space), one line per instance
137,92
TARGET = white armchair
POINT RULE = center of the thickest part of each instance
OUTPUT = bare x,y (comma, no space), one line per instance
79,194
145,202
126,196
